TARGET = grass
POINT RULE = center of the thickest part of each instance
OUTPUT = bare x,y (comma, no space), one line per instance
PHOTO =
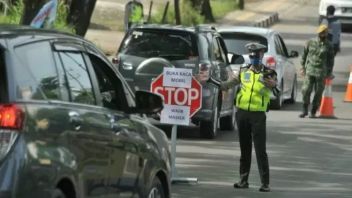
221,7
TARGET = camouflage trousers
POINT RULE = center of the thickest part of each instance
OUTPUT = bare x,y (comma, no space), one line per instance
310,83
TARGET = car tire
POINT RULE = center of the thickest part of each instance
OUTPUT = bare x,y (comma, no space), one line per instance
156,190
293,97
57,193
277,102
227,123
209,129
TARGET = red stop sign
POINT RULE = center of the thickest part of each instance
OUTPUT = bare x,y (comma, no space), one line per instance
182,96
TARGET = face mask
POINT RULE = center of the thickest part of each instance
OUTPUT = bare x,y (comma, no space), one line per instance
255,61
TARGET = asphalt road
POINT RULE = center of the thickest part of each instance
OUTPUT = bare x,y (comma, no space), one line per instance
308,157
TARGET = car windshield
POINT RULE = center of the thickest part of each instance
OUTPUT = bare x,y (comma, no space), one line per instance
235,42
153,43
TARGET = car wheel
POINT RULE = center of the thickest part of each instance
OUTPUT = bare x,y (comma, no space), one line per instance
209,129
58,194
293,97
156,190
277,103
228,122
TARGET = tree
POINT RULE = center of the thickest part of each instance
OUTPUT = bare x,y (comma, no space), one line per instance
241,4
177,12
80,13
204,8
31,8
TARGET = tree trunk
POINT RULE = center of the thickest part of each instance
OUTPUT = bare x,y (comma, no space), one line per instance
31,8
207,11
80,14
177,12
204,8
241,4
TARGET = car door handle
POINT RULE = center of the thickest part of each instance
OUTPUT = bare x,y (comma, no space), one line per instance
75,120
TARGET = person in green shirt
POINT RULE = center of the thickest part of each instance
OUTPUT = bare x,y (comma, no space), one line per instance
317,61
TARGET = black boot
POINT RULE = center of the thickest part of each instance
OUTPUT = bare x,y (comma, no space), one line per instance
304,112
241,184
313,111
264,188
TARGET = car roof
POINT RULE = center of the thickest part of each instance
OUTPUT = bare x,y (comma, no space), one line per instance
169,27
10,31
265,32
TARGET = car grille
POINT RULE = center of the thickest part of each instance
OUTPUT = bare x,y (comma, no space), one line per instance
7,138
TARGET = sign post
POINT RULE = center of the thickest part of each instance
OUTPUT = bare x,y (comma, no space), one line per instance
182,95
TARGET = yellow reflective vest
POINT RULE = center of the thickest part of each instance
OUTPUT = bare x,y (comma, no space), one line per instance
253,94
136,13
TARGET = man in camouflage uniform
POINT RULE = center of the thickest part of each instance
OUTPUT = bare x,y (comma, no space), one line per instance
317,61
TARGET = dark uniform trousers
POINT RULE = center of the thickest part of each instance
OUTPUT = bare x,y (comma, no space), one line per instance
252,126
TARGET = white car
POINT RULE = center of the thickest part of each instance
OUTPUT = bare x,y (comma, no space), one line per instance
276,57
343,10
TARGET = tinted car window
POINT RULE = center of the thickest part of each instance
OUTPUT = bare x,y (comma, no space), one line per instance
170,45
36,75
110,86
235,42
283,46
80,86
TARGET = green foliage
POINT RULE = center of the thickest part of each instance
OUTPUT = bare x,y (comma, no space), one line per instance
16,11
189,16
61,22
221,7
14,14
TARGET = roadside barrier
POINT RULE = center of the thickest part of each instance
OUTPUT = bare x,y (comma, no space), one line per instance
348,96
326,105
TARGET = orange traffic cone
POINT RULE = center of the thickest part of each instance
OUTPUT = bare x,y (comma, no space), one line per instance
348,96
326,105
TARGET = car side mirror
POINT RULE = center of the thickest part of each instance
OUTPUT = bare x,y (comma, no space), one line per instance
293,54
237,59
148,103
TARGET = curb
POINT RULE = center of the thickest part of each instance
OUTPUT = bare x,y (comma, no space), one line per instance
267,21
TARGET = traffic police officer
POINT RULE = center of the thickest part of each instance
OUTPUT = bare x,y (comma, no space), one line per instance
133,14
317,61
256,84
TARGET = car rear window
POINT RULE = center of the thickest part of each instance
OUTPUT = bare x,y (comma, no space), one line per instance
172,45
235,42
36,74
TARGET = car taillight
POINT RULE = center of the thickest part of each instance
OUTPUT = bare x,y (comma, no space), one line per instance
11,117
271,62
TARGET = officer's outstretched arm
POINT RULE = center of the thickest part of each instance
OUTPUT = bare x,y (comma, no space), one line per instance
225,85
